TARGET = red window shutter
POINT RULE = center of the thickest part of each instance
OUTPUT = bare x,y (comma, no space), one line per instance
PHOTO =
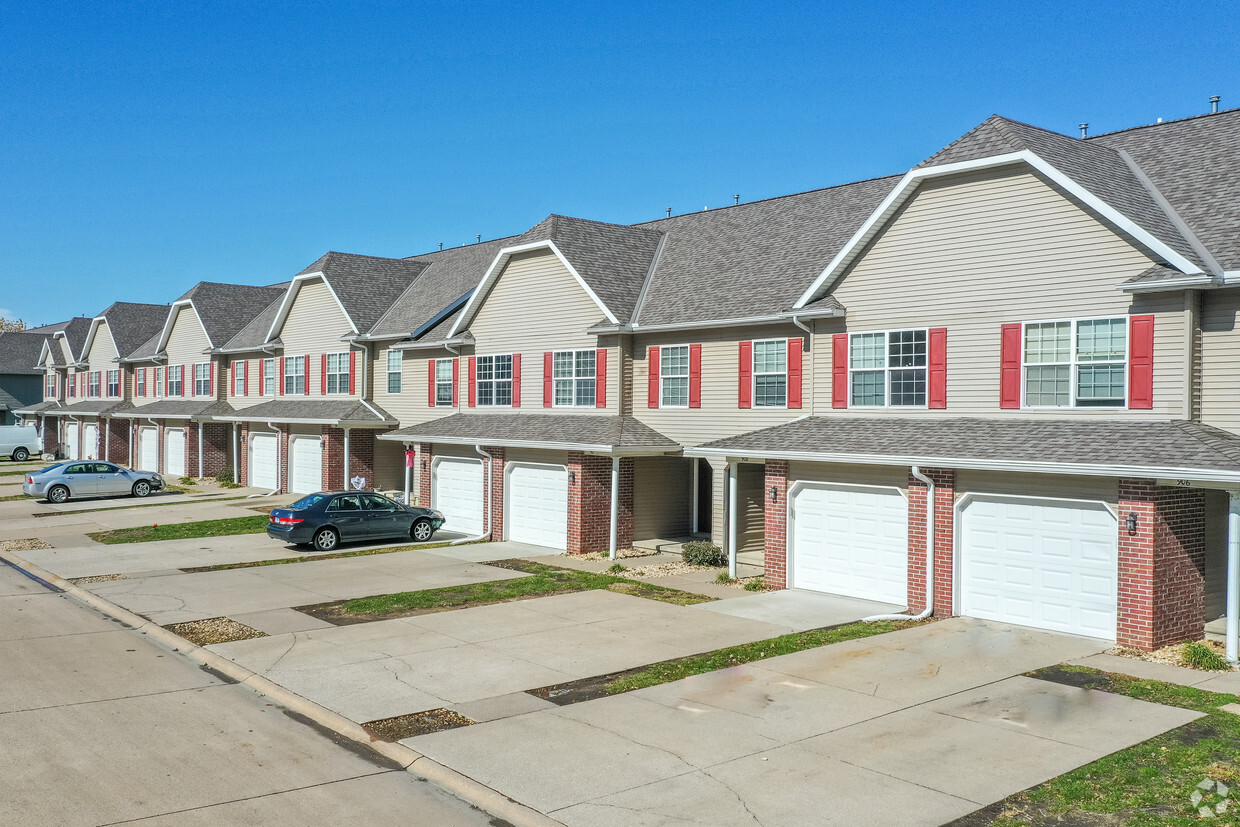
796,349
1009,366
430,384
695,376
473,375
352,372
245,377
456,380
280,376
548,385
839,370
184,383
600,378
652,389
744,395
1141,362
212,378
516,380
322,376
936,378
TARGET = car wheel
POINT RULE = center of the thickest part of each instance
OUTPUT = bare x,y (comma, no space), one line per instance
21,455
141,488
421,530
57,494
326,539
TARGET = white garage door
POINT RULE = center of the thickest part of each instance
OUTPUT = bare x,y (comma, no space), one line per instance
90,441
148,449
264,469
305,471
456,490
174,452
1045,563
71,441
851,540
537,510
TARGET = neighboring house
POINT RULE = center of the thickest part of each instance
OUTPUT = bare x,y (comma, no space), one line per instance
57,356
21,377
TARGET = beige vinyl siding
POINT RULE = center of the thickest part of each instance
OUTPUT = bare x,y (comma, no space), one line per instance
390,467
65,355
720,415
751,508
1220,359
1055,486
1216,554
102,354
314,326
535,306
254,381
188,345
662,495
894,476
977,251
410,405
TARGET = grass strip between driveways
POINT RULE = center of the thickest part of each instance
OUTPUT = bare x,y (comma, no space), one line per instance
1151,783
310,558
144,504
543,581
183,531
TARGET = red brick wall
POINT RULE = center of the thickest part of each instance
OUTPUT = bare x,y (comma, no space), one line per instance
160,449
423,461
285,431
624,526
775,555
116,434
944,540
243,455
361,458
191,450
216,448
51,435
496,498
1161,565
589,504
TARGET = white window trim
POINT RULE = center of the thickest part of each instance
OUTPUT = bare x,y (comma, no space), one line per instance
688,370
753,375
887,370
206,378
180,380
238,371
449,382
139,382
1074,364
400,372
263,364
302,363
575,378
116,395
342,376
158,391
94,385
478,381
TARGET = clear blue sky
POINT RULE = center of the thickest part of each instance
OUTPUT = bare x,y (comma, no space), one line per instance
150,146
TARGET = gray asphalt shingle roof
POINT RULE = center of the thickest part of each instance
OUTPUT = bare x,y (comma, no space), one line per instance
132,325
254,334
366,285
20,350
176,408
325,411
224,309
550,429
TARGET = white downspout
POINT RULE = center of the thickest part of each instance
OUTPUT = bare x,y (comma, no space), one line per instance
1232,636
408,477
275,490
236,438
346,458
133,427
929,610
107,443
732,469
487,505
613,528
693,508
200,473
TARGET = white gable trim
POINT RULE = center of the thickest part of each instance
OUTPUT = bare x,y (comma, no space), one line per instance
170,322
501,261
90,340
908,186
290,296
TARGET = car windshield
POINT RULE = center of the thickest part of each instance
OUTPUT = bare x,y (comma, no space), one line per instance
307,502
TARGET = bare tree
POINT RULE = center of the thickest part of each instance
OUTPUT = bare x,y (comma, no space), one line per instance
11,325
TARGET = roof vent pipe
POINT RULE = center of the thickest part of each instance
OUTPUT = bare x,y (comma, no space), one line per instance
1084,130
441,246
669,212
479,237
1214,99
736,198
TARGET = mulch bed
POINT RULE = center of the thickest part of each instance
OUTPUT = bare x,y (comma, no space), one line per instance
214,630
417,723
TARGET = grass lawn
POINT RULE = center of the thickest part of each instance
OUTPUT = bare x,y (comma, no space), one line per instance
183,531
1147,784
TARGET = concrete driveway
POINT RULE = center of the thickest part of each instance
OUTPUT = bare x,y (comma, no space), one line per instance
914,727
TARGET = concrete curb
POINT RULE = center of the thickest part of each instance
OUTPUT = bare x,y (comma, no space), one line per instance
471,791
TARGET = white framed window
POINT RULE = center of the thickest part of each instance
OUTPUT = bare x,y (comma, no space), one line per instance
395,366
770,373
888,368
71,384
294,375
1075,363
268,370
176,375
49,387
92,384
674,377
139,382
573,375
494,380
114,383
238,377
202,379
443,383
159,382
338,373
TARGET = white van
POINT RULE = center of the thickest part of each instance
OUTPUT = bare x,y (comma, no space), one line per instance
20,442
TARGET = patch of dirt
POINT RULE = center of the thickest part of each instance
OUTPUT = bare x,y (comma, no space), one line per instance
1071,677
29,544
672,596
1039,815
621,554
214,630
584,689
517,564
417,723
335,614
1172,655
98,578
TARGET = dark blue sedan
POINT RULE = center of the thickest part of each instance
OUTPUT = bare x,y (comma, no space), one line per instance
329,518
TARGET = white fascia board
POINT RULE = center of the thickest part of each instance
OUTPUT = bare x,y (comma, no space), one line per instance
442,344
620,450
173,311
1231,277
1169,284
908,184
290,296
746,321
1082,469
90,339
241,416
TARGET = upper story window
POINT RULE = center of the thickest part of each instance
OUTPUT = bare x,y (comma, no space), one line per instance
395,364
1080,363
139,382
337,375
573,374
494,381
294,375
92,384
49,386
159,382
202,379
674,377
176,376
443,382
71,382
239,369
770,374
114,383
269,378
888,369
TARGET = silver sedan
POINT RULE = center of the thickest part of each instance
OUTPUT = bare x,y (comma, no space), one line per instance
89,478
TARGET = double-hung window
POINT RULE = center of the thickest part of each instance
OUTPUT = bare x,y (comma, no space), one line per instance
202,379
139,382
175,376
573,372
443,383
239,369
494,380
770,374
338,373
1079,363
114,383
159,382
294,375
72,381
888,369
394,365
49,389
674,377
92,381
269,378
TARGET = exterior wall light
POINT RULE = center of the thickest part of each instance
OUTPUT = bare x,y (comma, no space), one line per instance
572,477
1132,522
774,493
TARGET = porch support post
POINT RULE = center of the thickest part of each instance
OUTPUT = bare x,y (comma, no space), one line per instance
732,519
1233,577
614,522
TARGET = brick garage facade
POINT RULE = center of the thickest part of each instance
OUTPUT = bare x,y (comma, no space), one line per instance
775,554
114,434
361,458
243,454
51,435
495,499
589,503
423,464
214,449
944,540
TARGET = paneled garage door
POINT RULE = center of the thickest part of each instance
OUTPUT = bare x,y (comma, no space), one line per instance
90,441
305,471
537,510
174,452
148,449
1051,564
72,441
264,466
850,540
456,490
